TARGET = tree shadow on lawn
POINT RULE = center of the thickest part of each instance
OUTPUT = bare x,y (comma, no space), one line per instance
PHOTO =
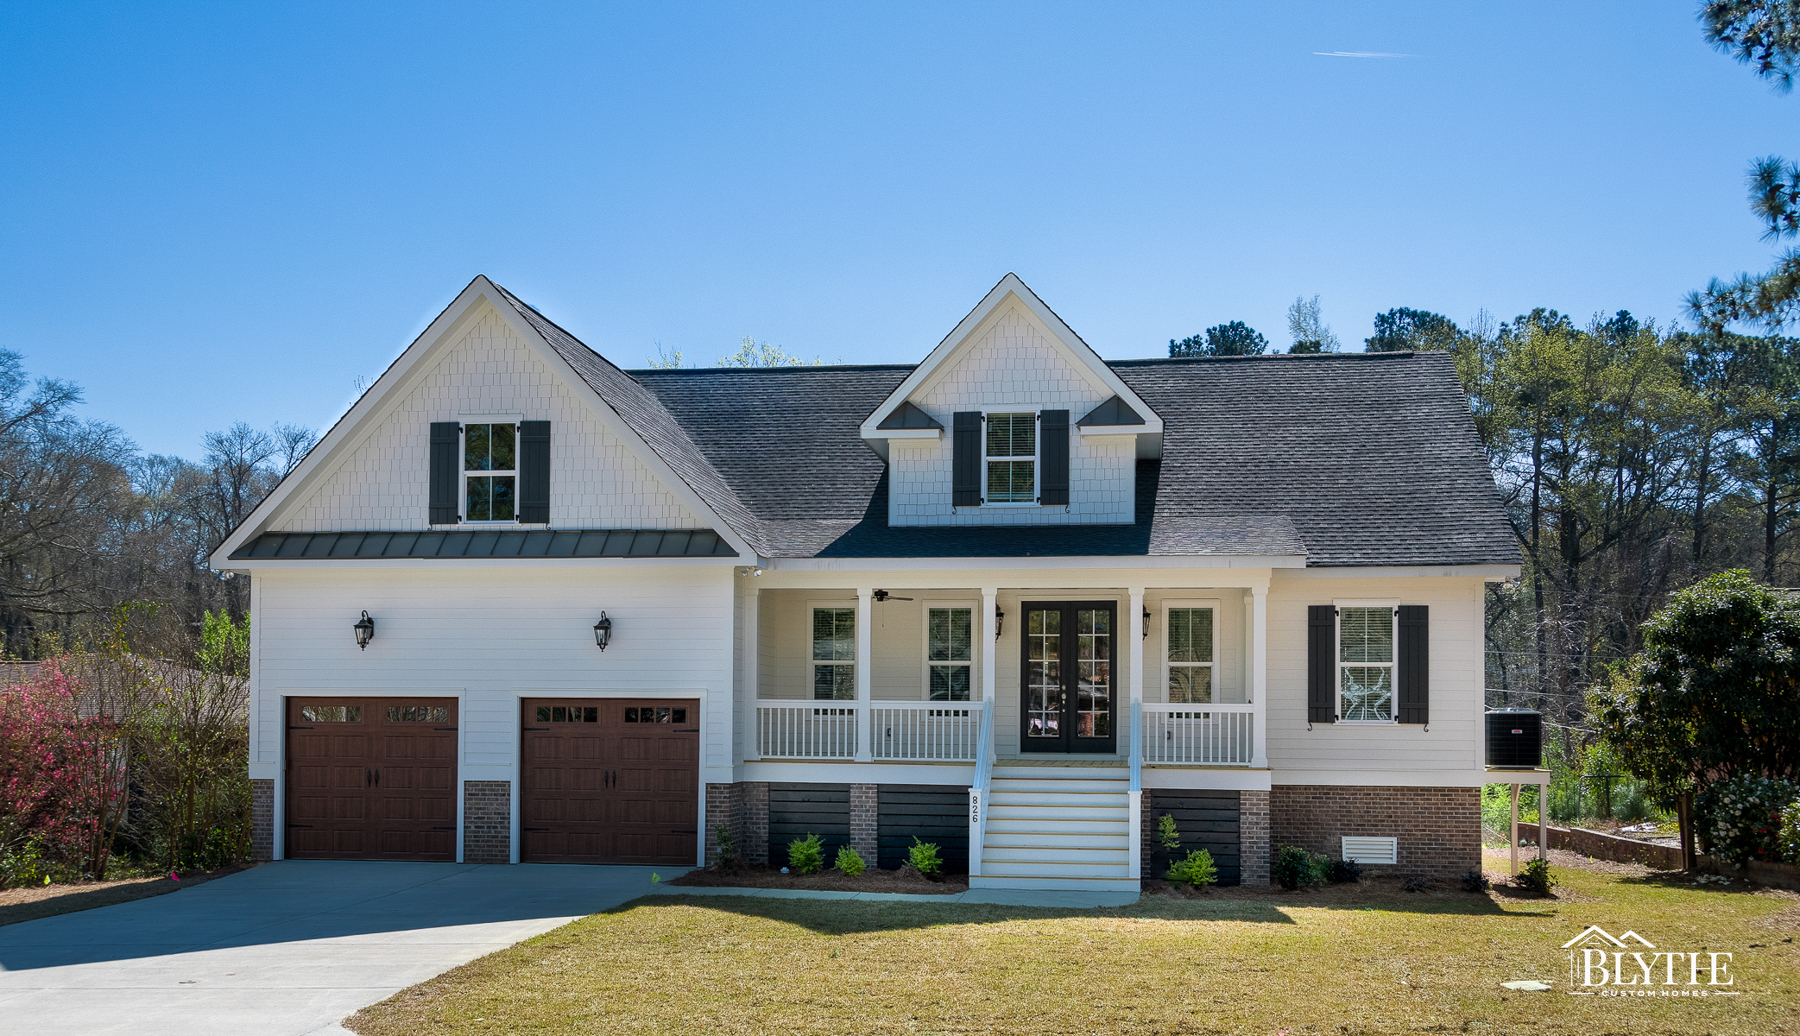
852,916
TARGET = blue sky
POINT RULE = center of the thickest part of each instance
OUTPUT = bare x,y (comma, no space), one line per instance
221,212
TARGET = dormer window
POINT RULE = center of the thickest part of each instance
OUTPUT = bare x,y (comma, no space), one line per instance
1012,456
490,472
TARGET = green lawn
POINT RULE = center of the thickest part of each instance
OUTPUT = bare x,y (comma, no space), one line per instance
1365,959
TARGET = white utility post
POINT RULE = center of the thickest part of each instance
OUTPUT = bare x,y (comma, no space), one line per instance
1259,675
864,713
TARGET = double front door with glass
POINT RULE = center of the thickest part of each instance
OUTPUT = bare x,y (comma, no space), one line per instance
1066,676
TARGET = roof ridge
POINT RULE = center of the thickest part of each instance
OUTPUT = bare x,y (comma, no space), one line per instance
1402,354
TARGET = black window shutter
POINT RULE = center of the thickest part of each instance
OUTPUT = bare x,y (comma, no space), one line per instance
965,459
446,454
534,472
1414,678
1053,457
1321,663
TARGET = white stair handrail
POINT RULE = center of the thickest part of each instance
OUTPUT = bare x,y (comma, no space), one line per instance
978,792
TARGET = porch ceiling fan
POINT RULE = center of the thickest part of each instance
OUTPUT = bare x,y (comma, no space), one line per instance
883,595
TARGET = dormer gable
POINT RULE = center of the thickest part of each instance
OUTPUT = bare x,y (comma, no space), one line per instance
1044,346
1008,384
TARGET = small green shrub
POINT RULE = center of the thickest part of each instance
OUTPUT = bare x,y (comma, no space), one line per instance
1789,843
1415,883
1296,867
1536,878
924,857
728,856
1197,869
1741,818
1343,872
1166,835
850,862
806,855
1475,881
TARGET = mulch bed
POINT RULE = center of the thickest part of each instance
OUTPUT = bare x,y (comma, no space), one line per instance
904,880
29,904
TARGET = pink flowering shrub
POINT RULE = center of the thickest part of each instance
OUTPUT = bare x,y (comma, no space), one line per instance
62,776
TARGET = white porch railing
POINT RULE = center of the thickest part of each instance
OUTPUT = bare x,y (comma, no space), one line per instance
802,729
1199,735
913,731
931,731
978,792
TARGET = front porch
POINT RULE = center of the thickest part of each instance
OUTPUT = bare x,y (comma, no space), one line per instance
1053,708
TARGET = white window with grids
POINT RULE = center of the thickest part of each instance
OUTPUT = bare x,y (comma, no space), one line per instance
949,652
1190,651
1011,457
834,652
1366,634
490,471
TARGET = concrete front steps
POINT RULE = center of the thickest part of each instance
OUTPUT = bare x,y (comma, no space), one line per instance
1057,827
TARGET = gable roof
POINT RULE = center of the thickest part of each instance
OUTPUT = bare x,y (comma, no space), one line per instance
1114,411
1350,459
968,330
630,412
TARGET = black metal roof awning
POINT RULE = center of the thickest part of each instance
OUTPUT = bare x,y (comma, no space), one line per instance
498,543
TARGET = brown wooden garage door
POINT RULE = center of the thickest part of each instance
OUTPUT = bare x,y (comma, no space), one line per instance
610,781
371,778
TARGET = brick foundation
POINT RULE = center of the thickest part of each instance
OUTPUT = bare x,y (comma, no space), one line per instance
487,821
1439,829
865,822
1253,837
754,811
262,820
724,809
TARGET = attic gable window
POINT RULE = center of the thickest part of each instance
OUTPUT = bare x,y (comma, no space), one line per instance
1012,443
490,472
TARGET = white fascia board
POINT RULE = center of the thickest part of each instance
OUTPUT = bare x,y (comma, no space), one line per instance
356,422
845,771
1206,778
1490,573
1342,778
649,561
1191,562
1110,430
1010,286
978,574
910,433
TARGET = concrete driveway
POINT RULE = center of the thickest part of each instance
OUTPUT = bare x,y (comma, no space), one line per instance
283,949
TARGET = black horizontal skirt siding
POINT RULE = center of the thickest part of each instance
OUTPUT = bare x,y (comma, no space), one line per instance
797,810
569,543
931,812
1205,820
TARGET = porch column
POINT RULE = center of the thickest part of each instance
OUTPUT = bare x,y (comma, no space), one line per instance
864,716
990,632
1259,674
1135,630
750,638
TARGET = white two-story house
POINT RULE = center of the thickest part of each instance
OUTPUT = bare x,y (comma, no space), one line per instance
522,605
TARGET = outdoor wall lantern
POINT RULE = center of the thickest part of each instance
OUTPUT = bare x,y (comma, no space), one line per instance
603,632
365,631
999,620
1146,633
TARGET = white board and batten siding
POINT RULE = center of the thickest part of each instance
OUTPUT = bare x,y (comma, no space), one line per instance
383,483
493,635
1447,752
1012,363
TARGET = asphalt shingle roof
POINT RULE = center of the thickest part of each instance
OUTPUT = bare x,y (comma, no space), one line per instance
1350,459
